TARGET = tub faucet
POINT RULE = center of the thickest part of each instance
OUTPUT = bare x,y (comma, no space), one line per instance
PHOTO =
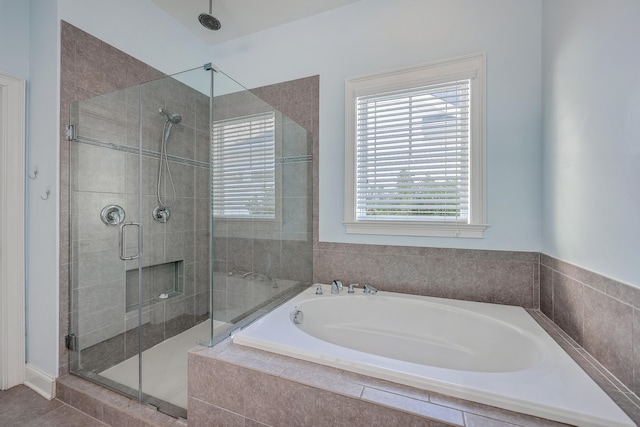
368,289
336,287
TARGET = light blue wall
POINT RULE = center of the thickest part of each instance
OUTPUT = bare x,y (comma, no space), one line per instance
29,50
591,67
14,33
377,35
42,215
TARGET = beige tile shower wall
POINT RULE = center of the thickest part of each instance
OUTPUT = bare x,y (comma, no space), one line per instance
185,237
90,67
105,175
477,275
600,314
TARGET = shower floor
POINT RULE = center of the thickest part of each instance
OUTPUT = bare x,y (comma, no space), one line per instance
164,366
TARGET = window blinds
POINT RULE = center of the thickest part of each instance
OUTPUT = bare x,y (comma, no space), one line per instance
244,167
412,155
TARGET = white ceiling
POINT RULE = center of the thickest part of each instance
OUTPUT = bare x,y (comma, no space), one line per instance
242,17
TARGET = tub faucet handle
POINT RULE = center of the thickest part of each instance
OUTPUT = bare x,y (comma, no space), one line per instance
336,287
318,290
368,289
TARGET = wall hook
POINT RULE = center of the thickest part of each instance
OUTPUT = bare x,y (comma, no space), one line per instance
46,195
35,173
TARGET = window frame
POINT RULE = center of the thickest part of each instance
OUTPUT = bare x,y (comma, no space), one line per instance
466,67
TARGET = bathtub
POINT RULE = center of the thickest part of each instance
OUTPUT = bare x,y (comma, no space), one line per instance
492,354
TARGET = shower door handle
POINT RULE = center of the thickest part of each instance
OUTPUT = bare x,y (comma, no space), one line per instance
121,242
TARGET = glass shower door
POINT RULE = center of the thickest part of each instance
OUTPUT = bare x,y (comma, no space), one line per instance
176,255
140,225
105,231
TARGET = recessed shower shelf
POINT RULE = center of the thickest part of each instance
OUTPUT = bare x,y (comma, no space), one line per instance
160,283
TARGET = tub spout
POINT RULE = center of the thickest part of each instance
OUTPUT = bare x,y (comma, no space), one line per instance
368,289
336,287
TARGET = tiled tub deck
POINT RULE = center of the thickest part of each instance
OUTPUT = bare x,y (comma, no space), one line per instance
239,386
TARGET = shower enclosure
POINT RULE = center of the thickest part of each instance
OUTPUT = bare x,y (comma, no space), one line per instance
190,217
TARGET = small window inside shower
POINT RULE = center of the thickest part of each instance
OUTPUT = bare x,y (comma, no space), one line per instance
159,282
244,178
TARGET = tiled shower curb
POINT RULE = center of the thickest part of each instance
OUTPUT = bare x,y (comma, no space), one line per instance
110,407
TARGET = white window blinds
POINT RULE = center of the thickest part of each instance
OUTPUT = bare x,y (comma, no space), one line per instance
244,167
412,154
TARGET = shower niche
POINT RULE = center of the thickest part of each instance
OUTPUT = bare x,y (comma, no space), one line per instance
159,283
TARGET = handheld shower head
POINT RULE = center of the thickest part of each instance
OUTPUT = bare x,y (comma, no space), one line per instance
174,119
209,21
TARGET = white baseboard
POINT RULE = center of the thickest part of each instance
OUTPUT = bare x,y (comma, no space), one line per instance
40,382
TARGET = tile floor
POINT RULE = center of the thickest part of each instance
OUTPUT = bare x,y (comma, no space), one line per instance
21,406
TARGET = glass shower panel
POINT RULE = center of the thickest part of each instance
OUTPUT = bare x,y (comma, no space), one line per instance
175,262
191,215
140,202
104,233
262,204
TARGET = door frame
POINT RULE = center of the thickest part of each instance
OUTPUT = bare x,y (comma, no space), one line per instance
12,230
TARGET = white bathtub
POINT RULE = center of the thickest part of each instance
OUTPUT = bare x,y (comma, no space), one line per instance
492,354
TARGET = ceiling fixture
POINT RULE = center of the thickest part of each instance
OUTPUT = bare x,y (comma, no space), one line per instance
209,21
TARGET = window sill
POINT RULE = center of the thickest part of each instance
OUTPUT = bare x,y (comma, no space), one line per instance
417,228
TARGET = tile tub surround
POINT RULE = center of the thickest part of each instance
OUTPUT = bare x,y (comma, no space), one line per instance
499,277
617,391
258,387
600,314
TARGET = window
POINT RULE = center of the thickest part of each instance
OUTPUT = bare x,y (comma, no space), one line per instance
415,151
244,167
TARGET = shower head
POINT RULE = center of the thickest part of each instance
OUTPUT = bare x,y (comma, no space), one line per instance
171,118
209,21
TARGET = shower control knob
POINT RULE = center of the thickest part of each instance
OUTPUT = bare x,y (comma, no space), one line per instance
112,215
161,214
